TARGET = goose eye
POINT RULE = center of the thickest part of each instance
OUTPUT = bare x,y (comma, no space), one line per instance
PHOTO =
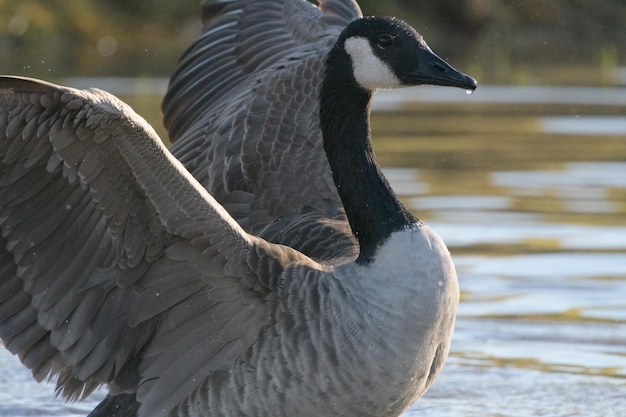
384,40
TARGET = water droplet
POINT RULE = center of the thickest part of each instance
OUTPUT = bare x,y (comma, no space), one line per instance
469,92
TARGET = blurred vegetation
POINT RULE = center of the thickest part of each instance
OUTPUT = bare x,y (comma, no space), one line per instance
498,41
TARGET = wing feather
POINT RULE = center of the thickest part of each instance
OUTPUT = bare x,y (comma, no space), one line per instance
242,111
115,260
112,255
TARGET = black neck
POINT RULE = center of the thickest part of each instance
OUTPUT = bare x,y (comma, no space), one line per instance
372,208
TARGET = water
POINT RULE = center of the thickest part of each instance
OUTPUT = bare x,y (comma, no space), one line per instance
528,188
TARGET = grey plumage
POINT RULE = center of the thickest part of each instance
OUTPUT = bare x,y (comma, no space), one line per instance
242,110
104,233
118,267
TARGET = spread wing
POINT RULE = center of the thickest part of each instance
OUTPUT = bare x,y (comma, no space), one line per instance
242,111
113,259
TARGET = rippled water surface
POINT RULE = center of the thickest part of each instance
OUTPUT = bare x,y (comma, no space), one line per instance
528,188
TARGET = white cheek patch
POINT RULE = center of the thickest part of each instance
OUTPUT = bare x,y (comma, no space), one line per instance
369,71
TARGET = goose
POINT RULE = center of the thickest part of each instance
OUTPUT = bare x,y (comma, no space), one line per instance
120,268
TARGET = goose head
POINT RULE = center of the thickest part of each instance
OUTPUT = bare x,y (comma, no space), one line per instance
386,52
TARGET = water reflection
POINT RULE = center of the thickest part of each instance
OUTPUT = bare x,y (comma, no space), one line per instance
494,94
585,125
579,176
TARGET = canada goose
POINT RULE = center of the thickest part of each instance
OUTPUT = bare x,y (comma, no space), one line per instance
243,112
118,268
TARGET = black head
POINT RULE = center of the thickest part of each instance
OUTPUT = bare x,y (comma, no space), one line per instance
386,53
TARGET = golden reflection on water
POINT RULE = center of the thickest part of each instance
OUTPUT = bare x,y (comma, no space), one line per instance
486,137
457,147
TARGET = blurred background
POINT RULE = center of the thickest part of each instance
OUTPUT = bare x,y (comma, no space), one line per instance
513,41
525,180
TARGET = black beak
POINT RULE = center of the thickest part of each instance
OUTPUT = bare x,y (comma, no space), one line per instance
435,71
